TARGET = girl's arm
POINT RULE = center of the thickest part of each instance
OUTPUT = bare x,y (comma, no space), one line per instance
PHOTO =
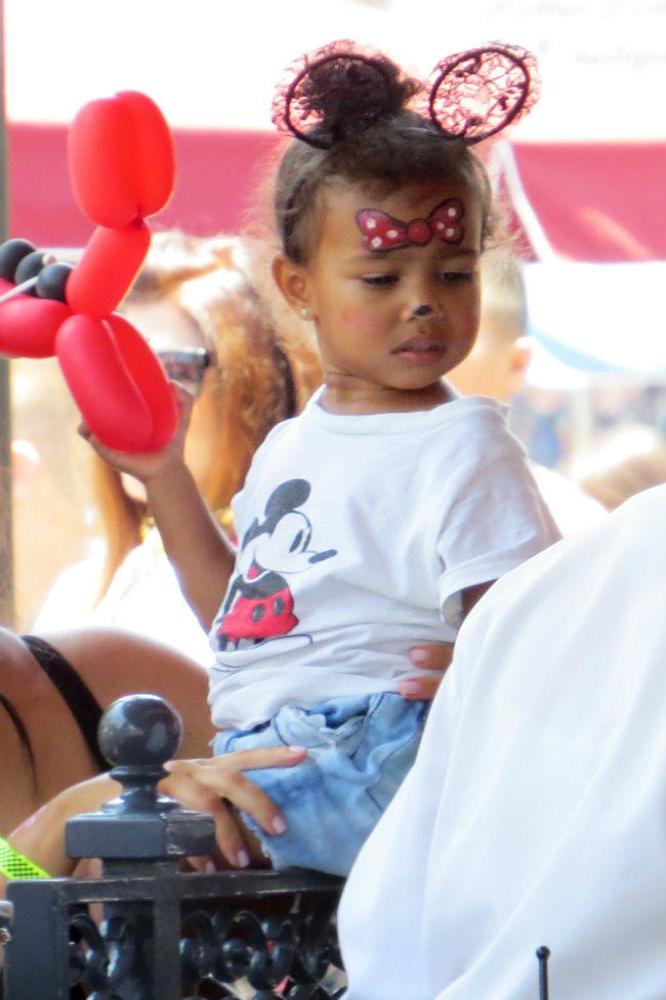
196,546
198,549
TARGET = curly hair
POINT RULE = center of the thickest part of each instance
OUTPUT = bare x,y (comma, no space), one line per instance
350,112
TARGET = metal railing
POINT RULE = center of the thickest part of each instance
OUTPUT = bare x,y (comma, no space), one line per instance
145,930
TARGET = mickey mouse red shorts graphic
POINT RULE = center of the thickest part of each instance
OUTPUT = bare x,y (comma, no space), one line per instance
259,604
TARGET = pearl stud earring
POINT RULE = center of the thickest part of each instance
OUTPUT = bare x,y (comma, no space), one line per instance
305,313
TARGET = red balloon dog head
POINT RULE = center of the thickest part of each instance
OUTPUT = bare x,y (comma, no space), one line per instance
122,170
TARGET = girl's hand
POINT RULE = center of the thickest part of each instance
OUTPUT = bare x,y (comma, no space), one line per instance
215,784
434,657
145,466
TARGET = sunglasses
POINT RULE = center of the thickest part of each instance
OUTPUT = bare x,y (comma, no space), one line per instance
187,366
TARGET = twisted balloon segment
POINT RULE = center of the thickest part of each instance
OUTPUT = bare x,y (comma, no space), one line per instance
122,170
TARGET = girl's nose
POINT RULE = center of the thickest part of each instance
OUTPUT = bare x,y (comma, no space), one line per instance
421,310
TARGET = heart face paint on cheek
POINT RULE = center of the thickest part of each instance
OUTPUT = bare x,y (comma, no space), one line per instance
384,232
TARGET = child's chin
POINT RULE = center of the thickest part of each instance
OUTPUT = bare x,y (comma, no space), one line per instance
416,377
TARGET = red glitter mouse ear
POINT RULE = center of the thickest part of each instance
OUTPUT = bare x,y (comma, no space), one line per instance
477,93
331,93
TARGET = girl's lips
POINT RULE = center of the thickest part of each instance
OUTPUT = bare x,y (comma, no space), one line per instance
422,349
421,353
421,342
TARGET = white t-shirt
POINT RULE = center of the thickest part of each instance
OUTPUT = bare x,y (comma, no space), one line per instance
535,813
357,535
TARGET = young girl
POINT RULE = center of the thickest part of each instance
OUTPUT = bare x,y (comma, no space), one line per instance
383,512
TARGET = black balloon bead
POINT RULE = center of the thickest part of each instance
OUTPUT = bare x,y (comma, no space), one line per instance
52,281
11,254
29,267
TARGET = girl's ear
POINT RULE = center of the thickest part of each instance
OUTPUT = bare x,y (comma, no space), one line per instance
292,280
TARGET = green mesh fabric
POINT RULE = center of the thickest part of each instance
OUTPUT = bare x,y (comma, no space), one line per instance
14,865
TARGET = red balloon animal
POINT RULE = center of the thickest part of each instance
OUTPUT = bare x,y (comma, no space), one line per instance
121,164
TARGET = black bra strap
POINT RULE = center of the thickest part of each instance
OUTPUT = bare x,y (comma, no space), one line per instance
76,695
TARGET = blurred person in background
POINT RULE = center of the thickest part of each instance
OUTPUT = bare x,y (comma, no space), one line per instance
497,367
623,460
196,302
49,482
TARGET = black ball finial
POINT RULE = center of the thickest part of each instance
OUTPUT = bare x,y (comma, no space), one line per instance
138,734
140,729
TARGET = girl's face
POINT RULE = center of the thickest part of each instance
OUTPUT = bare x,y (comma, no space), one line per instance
391,320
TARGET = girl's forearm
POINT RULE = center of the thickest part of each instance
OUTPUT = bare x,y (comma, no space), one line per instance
197,548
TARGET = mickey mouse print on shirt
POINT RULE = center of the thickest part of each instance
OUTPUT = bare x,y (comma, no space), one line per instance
259,605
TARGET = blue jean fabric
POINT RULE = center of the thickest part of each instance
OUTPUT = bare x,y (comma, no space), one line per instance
359,751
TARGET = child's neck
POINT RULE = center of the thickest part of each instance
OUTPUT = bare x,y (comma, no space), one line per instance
355,398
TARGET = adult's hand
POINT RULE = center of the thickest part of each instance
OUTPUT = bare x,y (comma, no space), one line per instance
435,658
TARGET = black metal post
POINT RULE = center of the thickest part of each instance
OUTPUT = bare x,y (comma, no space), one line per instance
543,954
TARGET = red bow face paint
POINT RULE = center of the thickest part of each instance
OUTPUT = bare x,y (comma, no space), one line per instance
384,232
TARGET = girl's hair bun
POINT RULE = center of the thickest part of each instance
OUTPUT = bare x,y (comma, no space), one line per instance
474,94
338,91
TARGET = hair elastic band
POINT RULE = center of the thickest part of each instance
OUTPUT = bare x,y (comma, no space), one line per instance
16,866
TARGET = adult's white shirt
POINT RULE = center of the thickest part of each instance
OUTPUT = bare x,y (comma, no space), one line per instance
535,813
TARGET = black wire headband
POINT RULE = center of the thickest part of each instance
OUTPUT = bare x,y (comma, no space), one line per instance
470,96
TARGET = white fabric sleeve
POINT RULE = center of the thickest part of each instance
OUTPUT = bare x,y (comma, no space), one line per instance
497,521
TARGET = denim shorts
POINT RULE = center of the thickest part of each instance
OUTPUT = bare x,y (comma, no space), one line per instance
359,751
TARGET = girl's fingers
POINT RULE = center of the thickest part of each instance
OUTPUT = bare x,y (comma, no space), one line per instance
222,777
227,835
193,795
244,795
255,760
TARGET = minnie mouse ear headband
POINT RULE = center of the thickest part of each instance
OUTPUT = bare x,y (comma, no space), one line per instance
470,96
